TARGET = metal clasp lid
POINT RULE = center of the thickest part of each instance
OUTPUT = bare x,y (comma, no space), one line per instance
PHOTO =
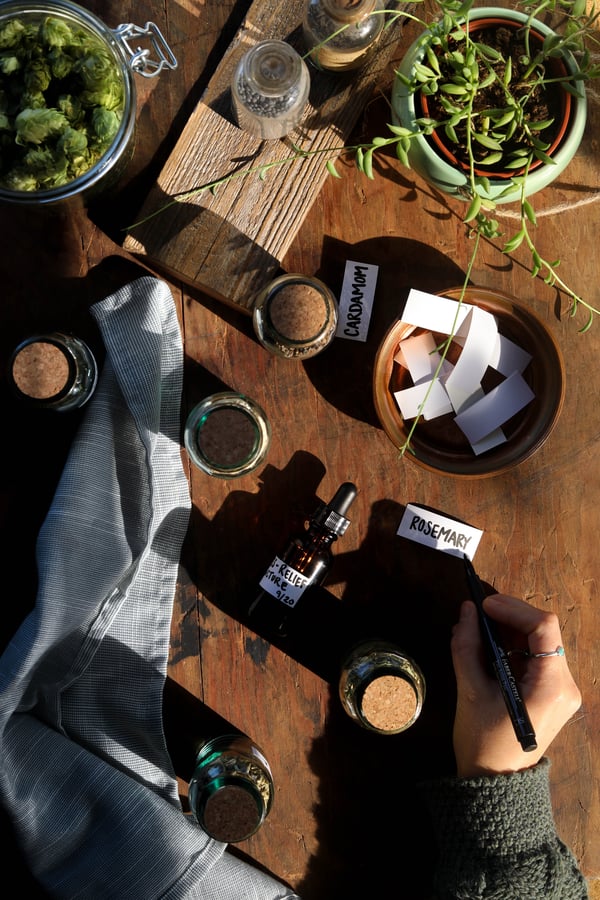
140,57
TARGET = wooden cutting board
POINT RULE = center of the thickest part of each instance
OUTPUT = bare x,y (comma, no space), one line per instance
230,242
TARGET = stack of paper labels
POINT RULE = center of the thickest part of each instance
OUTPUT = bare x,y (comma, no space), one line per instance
457,387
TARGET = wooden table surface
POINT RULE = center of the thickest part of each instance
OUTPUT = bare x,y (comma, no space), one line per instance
345,822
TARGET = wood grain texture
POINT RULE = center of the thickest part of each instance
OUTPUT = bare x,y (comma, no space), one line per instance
230,242
346,822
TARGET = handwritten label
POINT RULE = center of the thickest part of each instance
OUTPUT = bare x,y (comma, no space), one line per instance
356,300
437,531
284,583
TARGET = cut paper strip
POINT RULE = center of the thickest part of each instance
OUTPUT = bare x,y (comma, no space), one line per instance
410,399
438,531
495,408
508,357
434,313
491,440
481,336
421,358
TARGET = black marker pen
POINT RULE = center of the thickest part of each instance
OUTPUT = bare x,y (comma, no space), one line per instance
499,660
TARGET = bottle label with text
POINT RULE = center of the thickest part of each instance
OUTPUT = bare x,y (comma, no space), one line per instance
284,583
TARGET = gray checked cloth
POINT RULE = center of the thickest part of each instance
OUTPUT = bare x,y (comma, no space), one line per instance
85,774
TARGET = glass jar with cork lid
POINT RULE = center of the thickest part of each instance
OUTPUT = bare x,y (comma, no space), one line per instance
295,316
231,790
72,81
381,688
53,371
341,35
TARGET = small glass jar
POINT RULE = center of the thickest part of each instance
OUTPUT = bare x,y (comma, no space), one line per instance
295,316
53,371
270,89
227,435
120,55
231,790
340,35
381,688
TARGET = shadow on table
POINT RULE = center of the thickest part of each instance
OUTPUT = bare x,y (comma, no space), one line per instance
372,831
403,264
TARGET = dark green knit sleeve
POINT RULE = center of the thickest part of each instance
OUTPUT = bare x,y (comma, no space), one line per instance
497,839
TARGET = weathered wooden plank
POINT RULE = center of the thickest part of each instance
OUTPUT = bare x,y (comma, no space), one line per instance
231,242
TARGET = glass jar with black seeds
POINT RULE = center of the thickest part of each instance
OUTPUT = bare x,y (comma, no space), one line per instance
270,89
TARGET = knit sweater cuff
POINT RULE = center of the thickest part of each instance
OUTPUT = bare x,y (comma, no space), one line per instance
499,816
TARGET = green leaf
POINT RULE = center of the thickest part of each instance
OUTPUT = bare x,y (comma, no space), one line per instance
514,242
487,52
515,163
330,165
368,164
540,126
490,160
402,155
529,212
488,142
588,324
539,154
399,130
457,90
423,73
473,209
502,118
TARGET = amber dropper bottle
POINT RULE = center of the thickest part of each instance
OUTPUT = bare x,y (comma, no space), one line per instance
305,563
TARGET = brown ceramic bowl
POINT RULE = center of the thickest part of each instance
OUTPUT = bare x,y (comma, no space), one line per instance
438,444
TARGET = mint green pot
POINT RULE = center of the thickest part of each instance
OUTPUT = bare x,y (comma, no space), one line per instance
439,172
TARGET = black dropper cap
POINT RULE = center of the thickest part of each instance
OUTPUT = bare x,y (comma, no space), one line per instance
332,515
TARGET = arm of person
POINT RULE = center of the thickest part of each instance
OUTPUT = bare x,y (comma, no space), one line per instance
494,822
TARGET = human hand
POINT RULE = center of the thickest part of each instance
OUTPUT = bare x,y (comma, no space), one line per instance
484,739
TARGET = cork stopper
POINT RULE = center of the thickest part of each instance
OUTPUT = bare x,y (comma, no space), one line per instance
41,370
227,437
298,311
231,814
389,703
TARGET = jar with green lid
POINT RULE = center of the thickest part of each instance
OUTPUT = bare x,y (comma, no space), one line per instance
69,99
340,35
231,790
227,434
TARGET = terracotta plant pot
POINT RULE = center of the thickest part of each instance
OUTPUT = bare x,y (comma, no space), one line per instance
432,157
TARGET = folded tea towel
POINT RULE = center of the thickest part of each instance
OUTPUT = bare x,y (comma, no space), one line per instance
85,773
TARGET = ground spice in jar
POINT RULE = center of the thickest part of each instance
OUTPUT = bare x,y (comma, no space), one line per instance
41,370
341,34
231,814
227,437
389,703
295,316
298,311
